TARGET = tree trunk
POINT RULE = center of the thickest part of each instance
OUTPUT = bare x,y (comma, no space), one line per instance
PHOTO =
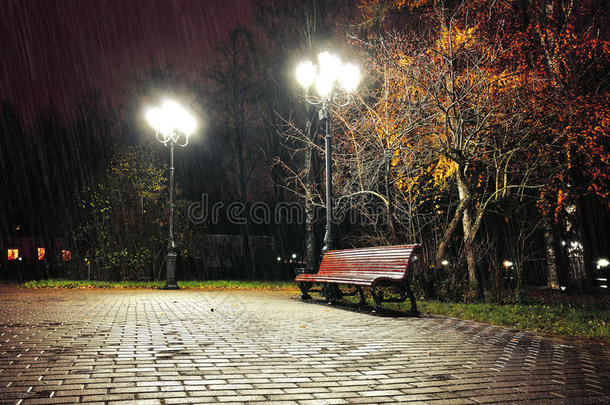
440,251
310,215
575,250
471,262
389,197
551,257
310,236
249,263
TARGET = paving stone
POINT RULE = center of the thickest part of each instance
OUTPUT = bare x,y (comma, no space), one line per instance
167,347
60,400
241,398
197,400
108,397
374,400
161,395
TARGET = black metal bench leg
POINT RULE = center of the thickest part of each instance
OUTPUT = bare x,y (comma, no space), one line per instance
362,297
414,310
332,293
305,287
378,298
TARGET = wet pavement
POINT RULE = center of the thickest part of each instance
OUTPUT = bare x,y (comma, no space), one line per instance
190,346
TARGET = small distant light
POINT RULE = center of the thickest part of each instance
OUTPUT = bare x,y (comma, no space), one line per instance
563,243
563,288
12,254
445,262
86,260
603,286
507,263
279,259
294,255
603,263
20,259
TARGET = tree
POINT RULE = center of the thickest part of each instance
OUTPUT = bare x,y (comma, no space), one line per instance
124,221
562,50
445,114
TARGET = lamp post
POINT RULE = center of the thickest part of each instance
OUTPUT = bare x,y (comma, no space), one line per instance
329,72
173,126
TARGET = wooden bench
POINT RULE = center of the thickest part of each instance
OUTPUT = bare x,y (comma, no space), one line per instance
371,268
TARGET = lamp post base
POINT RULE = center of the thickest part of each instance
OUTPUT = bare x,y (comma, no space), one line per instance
171,270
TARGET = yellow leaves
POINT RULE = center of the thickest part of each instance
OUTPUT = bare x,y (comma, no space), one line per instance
454,38
404,60
443,170
411,4
503,81
435,175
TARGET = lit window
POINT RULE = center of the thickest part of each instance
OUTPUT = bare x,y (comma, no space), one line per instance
13,254
66,255
41,253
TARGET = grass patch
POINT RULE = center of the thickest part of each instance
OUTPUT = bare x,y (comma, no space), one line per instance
561,319
204,285
52,283
239,285
583,321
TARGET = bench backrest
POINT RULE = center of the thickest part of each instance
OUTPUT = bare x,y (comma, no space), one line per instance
390,262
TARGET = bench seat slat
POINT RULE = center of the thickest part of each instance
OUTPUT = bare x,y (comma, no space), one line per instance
363,270
350,280
352,274
367,270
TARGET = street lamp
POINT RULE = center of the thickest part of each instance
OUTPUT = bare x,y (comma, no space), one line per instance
173,125
325,77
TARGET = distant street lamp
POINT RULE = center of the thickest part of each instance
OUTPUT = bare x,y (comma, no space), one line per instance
324,77
173,126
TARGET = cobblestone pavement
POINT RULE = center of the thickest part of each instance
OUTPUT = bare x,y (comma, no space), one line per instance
175,347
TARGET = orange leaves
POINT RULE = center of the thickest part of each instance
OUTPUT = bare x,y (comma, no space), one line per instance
443,170
592,144
561,198
454,39
435,175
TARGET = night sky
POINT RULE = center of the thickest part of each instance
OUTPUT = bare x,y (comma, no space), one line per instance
53,51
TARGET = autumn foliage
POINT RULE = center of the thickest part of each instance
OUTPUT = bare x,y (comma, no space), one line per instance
481,112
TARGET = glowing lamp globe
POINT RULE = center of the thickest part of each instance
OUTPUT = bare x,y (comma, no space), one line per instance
330,66
324,85
306,74
157,119
349,77
171,117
